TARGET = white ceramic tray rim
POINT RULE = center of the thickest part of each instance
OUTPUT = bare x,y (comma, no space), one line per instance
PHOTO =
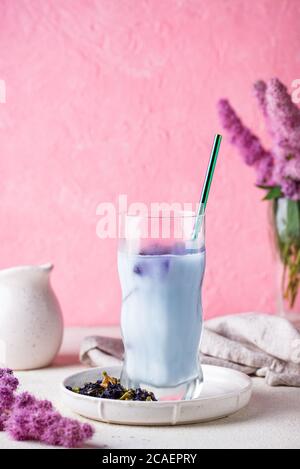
225,391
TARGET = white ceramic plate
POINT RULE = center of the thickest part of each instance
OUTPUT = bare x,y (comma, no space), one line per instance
225,391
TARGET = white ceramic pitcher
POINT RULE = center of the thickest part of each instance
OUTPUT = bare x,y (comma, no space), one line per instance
31,323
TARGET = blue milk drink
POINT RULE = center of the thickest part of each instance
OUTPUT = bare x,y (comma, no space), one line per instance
161,319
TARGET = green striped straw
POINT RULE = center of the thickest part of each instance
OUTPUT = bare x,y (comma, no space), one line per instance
207,183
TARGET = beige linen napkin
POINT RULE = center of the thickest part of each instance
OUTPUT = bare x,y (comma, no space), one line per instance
256,344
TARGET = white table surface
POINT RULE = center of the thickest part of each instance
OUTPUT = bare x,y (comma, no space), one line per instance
271,420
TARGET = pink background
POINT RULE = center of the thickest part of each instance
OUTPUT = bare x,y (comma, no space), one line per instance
118,96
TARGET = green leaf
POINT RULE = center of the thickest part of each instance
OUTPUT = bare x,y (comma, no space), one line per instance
262,186
273,193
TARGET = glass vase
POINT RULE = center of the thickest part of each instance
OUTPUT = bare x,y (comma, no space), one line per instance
286,223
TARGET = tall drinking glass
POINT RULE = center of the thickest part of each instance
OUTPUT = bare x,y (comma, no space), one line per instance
161,266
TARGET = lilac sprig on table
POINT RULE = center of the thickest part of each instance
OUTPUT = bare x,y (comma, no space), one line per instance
8,384
34,419
277,169
25,417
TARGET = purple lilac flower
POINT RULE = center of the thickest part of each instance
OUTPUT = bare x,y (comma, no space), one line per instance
259,91
34,419
292,166
265,171
287,167
26,418
8,384
67,432
248,144
284,119
290,188
7,379
280,165
283,115
6,398
5,371
6,402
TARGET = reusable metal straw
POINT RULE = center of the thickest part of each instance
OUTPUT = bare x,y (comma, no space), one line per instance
207,183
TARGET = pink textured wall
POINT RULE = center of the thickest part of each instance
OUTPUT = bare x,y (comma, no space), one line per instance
118,96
